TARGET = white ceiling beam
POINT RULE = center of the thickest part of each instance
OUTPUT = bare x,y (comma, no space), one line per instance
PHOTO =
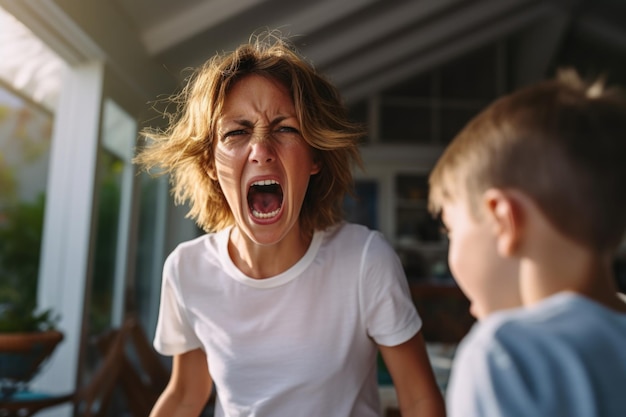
421,38
309,19
194,20
191,21
376,27
438,56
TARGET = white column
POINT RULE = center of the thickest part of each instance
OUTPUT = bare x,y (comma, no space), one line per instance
67,235
159,251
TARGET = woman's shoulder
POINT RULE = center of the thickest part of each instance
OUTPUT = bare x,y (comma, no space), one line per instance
351,231
357,239
203,245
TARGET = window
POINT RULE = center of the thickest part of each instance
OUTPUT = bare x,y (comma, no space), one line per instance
30,78
430,108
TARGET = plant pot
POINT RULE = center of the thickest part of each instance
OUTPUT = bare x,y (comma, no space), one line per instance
22,356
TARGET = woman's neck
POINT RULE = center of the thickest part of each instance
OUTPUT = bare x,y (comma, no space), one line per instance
265,261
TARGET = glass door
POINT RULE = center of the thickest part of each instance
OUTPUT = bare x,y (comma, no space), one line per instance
114,195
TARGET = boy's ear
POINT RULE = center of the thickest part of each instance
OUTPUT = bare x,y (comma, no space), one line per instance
506,215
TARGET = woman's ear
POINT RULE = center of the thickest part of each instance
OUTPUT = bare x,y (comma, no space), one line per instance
210,171
317,165
208,163
505,212
316,168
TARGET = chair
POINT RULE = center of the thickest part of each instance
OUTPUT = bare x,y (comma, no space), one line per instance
142,378
93,399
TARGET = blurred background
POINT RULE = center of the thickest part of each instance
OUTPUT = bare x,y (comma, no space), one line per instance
85,235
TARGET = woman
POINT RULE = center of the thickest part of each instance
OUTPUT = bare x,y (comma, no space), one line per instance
281,304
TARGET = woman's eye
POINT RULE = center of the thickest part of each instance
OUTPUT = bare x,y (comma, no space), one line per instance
234,133
288,129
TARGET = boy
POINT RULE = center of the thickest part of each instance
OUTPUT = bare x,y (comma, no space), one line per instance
533,195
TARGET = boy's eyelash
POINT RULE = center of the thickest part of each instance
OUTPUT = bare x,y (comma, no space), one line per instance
443,229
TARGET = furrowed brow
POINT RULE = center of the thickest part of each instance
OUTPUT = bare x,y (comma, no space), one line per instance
244,123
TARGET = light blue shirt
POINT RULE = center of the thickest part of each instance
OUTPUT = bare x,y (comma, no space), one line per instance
565,356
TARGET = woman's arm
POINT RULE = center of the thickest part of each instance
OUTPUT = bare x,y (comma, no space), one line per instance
188,389
413,378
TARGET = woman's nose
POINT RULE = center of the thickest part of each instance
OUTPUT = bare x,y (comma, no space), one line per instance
262,149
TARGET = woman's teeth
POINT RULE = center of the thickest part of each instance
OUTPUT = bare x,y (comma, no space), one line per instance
259,215
265,182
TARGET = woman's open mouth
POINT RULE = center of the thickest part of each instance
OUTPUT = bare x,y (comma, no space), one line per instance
265,199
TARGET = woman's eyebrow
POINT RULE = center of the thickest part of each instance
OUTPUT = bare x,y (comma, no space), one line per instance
249,124
243,122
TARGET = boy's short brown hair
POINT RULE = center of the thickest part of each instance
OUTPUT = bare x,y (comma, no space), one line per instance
562,142
185,148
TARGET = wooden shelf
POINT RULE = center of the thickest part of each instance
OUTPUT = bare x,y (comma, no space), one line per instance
444,310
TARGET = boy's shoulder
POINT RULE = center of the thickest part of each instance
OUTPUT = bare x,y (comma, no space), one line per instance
532,358
560,323
565,353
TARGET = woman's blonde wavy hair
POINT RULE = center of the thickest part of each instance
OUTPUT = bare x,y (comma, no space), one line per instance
185,148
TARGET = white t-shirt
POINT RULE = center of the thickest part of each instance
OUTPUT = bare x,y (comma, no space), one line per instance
565,356
302,343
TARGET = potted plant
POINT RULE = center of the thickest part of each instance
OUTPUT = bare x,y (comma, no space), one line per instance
27,336
27,339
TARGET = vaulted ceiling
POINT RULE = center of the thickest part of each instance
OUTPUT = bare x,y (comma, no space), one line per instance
367,45
364,46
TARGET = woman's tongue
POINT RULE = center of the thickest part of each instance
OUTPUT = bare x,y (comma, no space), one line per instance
264,205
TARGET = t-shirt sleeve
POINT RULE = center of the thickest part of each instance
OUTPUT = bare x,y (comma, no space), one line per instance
388,309
174,333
